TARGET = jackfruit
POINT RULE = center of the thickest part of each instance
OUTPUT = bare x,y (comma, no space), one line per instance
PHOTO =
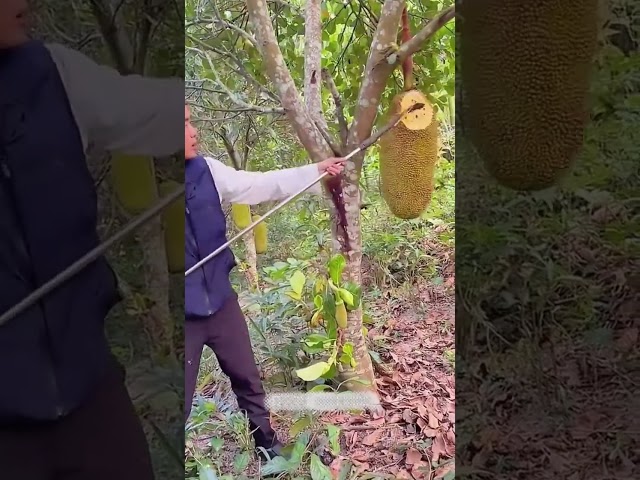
316,319
173,222
260,236
525,73
241,215
408,157
134,182
341,315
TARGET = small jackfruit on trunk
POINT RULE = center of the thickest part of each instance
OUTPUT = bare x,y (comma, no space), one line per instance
134,182
173,221
341,315
241,215
260,236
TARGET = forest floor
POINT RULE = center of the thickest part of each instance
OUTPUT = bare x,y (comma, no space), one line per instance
414,439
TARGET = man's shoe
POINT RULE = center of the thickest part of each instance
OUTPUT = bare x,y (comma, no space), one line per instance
276,450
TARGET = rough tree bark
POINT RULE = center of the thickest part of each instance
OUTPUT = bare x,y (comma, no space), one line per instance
129,59
252,261
380,64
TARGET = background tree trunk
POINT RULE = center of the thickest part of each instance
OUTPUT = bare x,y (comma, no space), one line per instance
130,58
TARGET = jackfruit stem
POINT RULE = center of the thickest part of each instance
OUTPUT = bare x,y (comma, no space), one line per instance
407,65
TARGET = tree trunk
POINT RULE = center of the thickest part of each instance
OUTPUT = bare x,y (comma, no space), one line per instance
252,261
159,322
307,121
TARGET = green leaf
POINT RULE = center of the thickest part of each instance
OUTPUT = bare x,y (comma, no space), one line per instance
320,388
300,425
316,339
216,444
241,462
205,472
333,433
356,291
297,282
299,448
347,296
336,267
318,470
276,465
293,295
317,301
313,372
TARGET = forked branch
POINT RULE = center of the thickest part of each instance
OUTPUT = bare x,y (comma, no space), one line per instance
429,30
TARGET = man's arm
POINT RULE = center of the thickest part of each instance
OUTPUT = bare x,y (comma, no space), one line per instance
252,188
129,114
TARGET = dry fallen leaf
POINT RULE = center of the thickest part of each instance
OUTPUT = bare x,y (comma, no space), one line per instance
335,467
373,438
413,456
438,448
433,421
627,339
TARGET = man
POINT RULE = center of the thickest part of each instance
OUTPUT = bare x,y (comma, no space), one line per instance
64,410
213,315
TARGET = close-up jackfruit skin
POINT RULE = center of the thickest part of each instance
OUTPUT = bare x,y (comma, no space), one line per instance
173,222
408,160
260,236
134,182
526,68
241,215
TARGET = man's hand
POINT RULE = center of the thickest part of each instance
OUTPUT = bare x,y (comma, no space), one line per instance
333,166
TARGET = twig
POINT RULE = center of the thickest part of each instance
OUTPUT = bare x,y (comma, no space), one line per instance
337,150
419,39
232,96
243,33
337,101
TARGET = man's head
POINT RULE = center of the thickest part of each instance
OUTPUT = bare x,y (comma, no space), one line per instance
190,135
13,23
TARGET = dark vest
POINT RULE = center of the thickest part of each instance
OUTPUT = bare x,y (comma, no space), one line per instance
208,287
53,354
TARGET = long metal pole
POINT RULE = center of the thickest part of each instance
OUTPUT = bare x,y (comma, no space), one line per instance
366,144
88,258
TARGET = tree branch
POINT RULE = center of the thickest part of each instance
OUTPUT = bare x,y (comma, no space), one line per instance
375,77
337,101
337,150
231,95
313,62
116,39
243,33
228,146
280,76
420,39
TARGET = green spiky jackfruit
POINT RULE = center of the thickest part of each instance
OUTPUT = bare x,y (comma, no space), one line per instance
134,182
526,72
241,215
173,220
408,157
260,236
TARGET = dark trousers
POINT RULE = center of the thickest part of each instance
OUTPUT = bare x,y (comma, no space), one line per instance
226,333
102,440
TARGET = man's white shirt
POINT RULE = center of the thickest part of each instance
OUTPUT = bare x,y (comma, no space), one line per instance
252,188
131,114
